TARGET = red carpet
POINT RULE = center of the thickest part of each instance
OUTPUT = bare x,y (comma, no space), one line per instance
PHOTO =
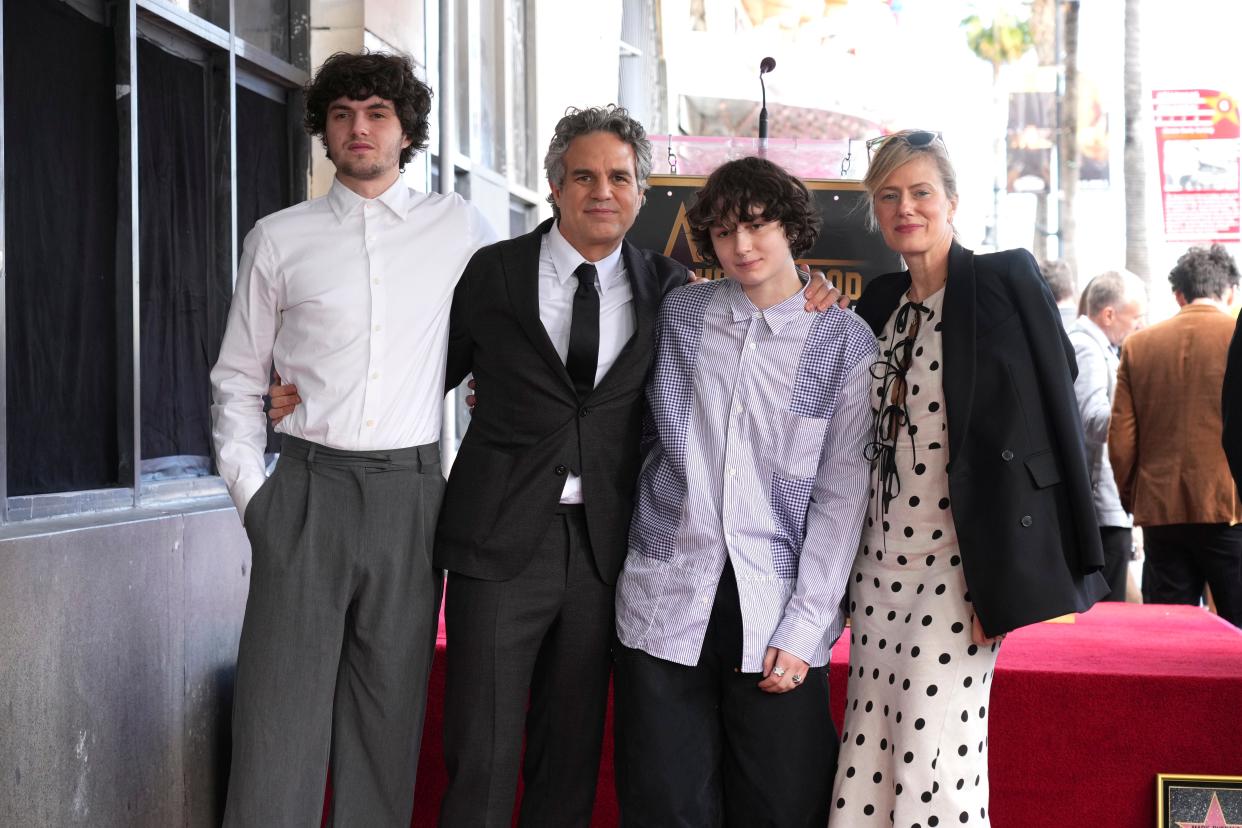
1084,715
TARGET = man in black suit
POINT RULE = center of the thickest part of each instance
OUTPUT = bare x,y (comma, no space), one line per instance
556,327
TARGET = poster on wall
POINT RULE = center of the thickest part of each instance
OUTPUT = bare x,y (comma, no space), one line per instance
847,252
1198,146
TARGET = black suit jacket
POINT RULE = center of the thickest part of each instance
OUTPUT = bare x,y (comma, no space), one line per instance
530,428
1018,480
1231,406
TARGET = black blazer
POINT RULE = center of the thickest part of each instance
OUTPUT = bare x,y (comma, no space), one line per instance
1231,406
529,427
1018,481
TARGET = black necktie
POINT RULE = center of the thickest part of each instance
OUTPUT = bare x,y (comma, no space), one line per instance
583,356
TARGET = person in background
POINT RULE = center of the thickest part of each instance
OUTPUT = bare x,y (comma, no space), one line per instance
1115,304
1164,441
1060,278
980,519
1231,406
745,526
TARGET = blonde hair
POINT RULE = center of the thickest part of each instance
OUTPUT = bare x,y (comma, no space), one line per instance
897,151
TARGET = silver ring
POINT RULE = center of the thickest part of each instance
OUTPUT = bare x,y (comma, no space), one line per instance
779,672
796,679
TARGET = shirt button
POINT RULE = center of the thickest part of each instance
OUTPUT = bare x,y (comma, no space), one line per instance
732,472
375,281
560,470
703,601
370,239
1026,520
370,423
752,346
737,410
1006,455
375,375
377,328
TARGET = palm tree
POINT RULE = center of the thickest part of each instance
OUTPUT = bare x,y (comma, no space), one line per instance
1043,24
999,41
1067,141
1135,171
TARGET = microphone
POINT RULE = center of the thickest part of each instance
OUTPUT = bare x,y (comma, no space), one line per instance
766,65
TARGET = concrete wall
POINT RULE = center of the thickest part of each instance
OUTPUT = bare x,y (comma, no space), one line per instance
118,640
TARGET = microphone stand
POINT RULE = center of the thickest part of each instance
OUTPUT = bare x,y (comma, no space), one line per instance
766,65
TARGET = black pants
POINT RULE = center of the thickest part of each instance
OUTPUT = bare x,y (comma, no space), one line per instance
1181,557
542,637
703,746
1118,543
337,641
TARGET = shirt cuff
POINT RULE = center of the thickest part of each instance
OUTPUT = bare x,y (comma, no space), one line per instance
243,490
797,637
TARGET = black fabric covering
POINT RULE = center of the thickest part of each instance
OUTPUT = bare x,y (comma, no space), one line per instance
183,298
263,166
263,171
60,178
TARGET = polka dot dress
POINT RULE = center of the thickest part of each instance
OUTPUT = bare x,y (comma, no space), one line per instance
914,747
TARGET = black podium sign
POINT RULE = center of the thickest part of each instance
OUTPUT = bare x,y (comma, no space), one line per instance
848,253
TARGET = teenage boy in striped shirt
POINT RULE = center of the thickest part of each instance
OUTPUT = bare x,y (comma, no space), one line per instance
747,519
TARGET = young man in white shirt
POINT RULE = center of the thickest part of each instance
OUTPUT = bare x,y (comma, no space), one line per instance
348,297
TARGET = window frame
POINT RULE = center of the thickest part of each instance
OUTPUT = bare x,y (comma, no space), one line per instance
239,63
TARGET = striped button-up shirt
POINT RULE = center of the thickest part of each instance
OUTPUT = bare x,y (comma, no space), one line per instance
754,450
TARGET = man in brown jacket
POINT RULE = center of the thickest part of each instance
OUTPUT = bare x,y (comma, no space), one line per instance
1164,441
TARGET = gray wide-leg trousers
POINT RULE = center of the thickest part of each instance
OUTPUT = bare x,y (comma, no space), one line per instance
338,637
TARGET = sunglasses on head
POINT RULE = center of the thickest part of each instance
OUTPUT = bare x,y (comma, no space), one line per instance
918,138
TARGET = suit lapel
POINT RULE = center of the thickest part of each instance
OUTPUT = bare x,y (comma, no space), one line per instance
958,337
521,263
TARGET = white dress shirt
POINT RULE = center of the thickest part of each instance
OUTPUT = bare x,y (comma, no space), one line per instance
349,298
557,262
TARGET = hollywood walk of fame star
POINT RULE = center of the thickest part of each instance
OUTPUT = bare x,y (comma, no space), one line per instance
1215,818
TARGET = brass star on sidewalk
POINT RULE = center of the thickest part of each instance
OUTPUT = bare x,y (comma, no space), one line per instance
1215,818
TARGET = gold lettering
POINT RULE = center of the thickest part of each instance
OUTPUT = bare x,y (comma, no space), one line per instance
849,282
853,284
681,227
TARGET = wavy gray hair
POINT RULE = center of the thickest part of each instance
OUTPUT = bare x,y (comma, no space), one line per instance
1111,288
577,122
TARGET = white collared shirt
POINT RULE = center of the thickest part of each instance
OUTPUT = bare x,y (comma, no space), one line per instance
557,262
349,298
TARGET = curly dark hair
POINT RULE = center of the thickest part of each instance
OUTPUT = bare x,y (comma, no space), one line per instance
358,77
1204,272
735,189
